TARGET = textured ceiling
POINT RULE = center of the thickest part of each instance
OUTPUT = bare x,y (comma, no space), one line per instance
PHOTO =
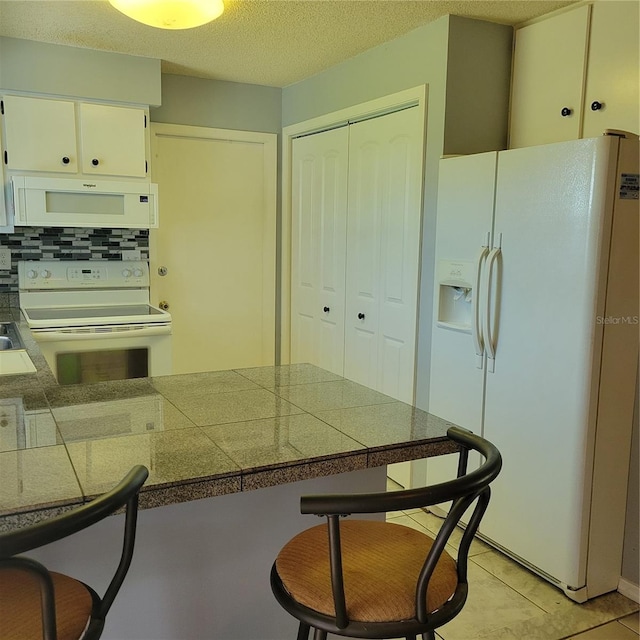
268,42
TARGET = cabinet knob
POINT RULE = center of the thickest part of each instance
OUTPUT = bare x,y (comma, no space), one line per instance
361,316
596,106
66,160
164,305
566,112
95,162
326,309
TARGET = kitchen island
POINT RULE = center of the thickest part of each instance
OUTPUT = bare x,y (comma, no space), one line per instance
229,454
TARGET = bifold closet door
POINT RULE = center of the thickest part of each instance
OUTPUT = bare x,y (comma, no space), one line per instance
383,251
319,218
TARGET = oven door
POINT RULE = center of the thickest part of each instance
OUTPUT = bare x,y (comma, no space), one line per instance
94,354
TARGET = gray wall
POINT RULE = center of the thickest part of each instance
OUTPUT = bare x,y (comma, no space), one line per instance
452,56
219,104
55,69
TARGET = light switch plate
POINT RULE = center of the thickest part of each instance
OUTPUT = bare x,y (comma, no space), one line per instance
5,258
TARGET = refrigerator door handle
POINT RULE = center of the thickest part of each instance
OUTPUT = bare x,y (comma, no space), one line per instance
476,329
490,319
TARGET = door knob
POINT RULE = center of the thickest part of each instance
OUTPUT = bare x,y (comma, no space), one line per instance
361,316
596,106
164,305
326,309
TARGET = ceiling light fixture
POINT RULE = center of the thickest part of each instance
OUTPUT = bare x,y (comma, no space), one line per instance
171,14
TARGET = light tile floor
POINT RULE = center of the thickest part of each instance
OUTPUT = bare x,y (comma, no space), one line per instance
508,602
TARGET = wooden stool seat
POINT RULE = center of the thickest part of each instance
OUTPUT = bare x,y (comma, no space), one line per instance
20,606
381,565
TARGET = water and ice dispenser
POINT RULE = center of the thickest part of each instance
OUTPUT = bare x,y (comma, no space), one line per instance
456,283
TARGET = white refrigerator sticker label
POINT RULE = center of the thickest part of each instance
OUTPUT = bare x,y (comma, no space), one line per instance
629,183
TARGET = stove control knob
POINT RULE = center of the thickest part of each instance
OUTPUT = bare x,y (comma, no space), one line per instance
137,273
45,273
126,273
32,273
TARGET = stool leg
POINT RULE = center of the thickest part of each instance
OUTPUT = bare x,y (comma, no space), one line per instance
303,631
318,634
429,635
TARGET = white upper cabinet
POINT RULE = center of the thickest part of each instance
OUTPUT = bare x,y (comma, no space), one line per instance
576,74
548,74
112,140
40,135
613,77
69,137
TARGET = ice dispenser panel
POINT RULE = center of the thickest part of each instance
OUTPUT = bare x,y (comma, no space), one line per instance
456,280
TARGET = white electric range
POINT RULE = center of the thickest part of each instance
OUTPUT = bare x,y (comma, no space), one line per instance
93,320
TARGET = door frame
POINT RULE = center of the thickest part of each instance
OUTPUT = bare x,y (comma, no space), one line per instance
414,97
269,142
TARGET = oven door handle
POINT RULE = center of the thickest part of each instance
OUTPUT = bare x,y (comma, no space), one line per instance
57,335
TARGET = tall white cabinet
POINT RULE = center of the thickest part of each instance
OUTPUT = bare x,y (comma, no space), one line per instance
356,220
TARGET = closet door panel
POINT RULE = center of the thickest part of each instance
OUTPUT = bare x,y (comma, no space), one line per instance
400,255
383,245
319,208
367,166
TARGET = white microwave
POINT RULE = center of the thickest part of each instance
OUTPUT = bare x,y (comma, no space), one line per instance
64,202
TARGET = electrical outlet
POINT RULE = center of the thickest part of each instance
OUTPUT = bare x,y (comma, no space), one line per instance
5,258
133,254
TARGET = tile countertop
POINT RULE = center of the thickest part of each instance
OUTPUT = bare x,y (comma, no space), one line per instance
200,434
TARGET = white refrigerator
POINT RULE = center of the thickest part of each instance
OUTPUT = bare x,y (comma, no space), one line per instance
535,344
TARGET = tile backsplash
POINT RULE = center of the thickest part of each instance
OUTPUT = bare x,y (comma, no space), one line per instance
57,243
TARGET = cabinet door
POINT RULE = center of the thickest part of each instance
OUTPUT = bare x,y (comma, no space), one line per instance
319,217
40,135
383,243
612,72
548,74
113,140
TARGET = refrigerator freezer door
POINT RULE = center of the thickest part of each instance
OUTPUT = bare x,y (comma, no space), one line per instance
465,218
553,211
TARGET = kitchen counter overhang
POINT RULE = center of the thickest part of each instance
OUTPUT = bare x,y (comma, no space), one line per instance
200,435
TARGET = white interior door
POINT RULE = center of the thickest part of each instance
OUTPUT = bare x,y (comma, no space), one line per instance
318,227
216,240
383,251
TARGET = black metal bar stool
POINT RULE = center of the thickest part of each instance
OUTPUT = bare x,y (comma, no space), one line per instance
372,579
38,604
